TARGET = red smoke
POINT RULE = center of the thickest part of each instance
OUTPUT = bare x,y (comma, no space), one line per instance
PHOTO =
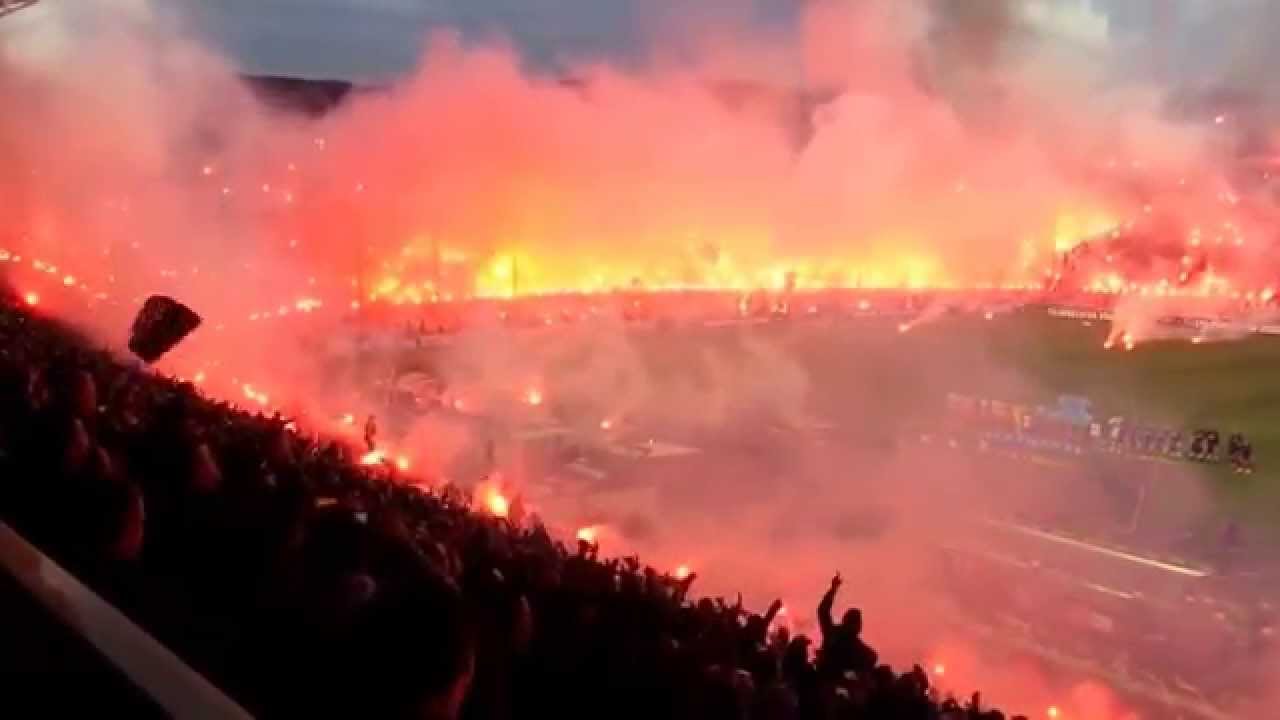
132,161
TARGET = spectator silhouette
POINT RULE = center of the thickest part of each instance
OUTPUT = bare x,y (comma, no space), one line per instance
843,649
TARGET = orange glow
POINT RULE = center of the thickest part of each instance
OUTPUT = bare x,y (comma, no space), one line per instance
497,504
683,572
373,457
1053,712
587,534
533,396
31,298
606,424
402,463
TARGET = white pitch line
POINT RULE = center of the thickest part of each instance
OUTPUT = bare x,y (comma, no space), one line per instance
1118,554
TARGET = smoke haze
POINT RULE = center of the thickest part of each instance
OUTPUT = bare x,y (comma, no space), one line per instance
944,145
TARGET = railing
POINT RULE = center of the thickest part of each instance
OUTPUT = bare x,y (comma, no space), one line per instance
173,686
9,6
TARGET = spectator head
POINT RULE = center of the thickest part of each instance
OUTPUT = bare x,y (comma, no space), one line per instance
852,621
78,447
131,521
404,653
82,394
796,656
205,475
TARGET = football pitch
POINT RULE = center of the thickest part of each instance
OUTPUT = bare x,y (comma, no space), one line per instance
1230,386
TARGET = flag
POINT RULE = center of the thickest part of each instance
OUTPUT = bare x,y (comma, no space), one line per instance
160,325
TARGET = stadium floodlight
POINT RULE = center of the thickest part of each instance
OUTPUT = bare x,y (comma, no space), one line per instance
12,6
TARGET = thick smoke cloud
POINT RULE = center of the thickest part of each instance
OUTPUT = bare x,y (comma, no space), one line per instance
945,143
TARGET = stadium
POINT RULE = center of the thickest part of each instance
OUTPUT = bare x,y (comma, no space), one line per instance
501,390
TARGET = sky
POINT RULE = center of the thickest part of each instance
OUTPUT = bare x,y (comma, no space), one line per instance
381,40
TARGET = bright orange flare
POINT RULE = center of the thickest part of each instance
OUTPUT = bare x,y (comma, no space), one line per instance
587,534
533,396
498,504
682,572
31,299
372,457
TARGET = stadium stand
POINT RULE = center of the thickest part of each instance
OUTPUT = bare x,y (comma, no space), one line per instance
298,581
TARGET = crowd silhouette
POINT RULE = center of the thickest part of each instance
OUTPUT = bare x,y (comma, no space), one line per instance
305,584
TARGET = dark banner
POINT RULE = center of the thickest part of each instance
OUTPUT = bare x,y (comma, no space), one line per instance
160,325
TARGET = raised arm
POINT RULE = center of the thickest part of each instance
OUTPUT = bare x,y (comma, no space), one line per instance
824,607
772,612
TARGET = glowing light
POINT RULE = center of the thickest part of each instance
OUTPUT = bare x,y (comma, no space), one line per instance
68,280
533,396
1128,341
904,327
683,572
497,504
587,534
402,463
258,397
939,669
198,378
348,419
307,304
606,424
32,299
1053,712
372,457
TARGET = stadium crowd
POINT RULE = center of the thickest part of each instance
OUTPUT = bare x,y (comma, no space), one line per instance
302,582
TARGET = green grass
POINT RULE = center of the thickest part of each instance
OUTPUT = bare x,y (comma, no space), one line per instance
867,378
1229,386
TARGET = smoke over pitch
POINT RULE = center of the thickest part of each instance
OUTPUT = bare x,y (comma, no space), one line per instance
944,145
948,145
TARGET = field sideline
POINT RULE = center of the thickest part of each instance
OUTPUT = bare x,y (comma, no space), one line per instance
1230,386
